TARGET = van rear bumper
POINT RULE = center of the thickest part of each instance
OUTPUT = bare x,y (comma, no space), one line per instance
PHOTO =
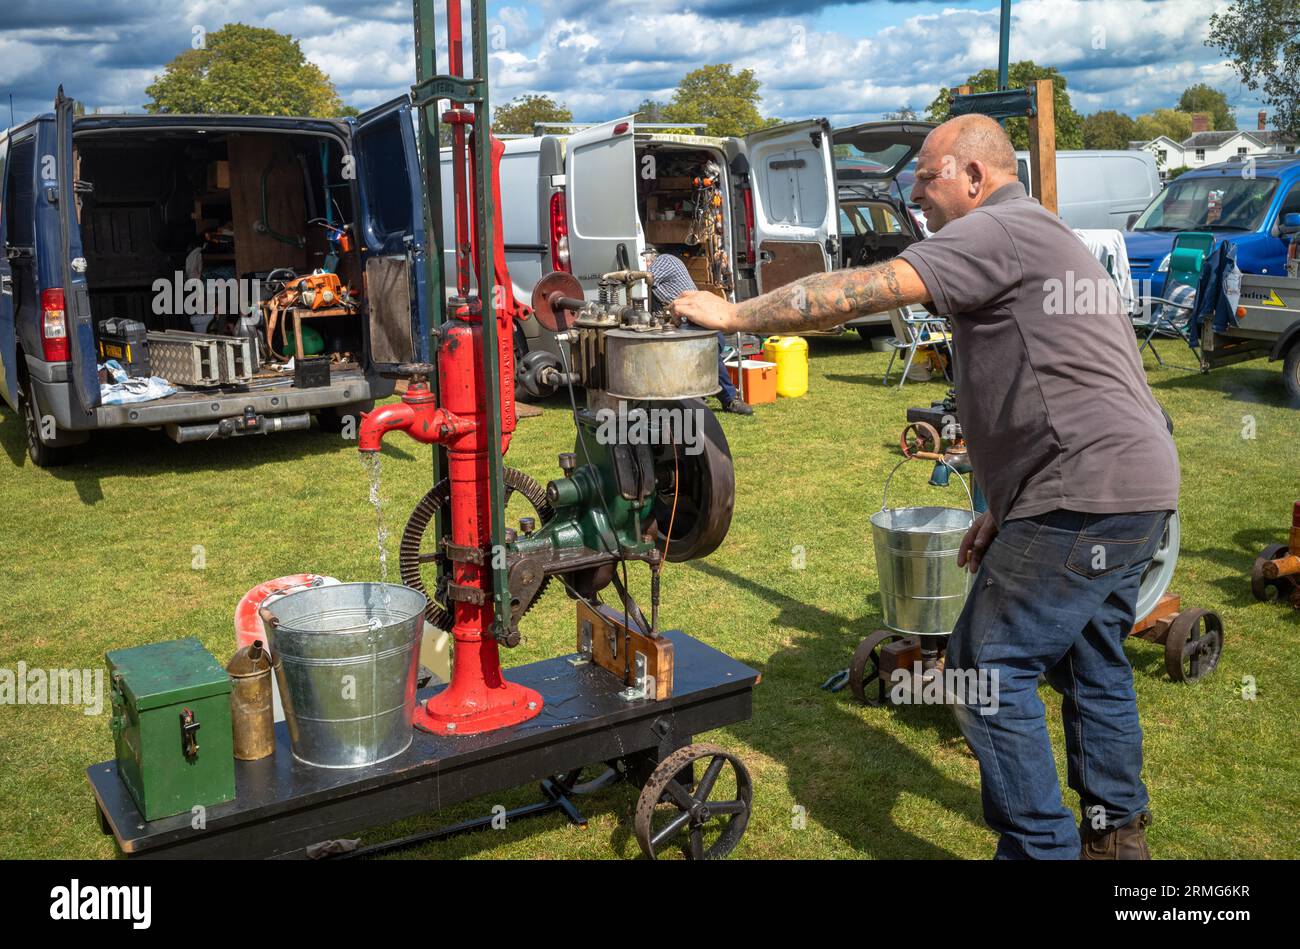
54,396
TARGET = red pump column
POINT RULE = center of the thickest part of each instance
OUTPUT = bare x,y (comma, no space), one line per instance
479,698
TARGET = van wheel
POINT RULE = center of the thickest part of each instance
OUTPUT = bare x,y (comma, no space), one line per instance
41,454
1291,372
333,419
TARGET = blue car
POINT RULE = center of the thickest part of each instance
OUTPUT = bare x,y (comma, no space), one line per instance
1242,202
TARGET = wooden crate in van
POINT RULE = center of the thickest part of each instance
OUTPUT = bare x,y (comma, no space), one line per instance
675,231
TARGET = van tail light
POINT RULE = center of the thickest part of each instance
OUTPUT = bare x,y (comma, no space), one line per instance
54,326
750,257
560,234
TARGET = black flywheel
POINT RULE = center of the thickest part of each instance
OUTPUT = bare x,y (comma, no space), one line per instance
695,486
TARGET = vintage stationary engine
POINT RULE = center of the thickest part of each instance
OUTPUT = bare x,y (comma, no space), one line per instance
649,479
650,475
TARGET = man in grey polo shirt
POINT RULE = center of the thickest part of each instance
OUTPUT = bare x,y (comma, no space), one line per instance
1074,457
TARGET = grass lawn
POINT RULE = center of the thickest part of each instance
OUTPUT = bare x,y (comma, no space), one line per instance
101,555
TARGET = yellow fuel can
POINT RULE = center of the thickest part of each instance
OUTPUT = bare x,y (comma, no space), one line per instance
790,353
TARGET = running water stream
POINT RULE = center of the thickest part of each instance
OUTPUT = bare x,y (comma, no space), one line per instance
370,461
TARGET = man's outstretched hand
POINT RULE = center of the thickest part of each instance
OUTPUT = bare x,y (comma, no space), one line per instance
706,310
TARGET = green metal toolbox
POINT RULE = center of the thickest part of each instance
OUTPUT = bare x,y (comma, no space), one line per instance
171,726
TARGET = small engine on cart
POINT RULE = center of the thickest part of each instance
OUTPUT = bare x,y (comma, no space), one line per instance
650,477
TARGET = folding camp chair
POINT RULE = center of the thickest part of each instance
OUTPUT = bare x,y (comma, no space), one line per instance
1171,314
915,333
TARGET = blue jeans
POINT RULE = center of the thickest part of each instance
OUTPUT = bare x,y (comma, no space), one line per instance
729,391
1055,595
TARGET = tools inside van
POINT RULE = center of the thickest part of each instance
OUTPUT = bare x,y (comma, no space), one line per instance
233,251
682,201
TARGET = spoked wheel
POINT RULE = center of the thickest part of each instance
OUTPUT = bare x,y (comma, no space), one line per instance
414,552
707,817
1265,589
1193,645
694,493
864,670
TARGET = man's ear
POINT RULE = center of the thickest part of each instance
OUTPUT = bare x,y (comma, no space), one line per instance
977,175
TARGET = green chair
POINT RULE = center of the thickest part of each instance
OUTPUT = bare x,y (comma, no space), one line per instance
1172,313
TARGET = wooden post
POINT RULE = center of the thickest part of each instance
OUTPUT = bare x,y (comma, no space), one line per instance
1042,146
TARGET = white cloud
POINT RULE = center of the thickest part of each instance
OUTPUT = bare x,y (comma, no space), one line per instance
602,60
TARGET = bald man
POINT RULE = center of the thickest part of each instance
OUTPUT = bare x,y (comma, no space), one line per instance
1077,464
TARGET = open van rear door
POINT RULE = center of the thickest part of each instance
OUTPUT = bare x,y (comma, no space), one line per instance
600,185
796,218
390,226
61,192
8,328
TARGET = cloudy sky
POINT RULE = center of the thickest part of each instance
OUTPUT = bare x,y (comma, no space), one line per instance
850,61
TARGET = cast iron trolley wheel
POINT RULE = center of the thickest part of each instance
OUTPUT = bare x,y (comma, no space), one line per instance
1261,586
705,486
1190,651
864,669
411,557
688,810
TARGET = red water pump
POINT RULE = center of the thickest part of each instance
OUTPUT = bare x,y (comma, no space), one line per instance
479,697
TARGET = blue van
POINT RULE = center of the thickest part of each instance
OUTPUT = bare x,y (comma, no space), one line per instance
1240,201
96,210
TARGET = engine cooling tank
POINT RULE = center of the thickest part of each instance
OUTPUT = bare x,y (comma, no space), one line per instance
661,363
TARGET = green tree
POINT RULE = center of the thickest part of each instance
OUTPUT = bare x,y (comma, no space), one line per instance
651,110
1069,124
726,103
905,114
1108,129
1203,98
1169,122
245,70
518,115
1262,38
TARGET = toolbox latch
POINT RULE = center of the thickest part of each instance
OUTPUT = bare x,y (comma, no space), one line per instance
189,735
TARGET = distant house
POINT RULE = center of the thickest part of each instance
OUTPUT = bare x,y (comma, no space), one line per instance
1204,147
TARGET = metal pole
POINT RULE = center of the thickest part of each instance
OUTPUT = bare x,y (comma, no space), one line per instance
426,66
1004,43
488,303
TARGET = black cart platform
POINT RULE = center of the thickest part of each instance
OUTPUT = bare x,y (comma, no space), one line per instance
282,806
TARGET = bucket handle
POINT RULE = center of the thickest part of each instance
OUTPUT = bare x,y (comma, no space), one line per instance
884,502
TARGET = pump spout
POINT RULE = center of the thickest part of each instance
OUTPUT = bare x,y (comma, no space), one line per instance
375,425
418,415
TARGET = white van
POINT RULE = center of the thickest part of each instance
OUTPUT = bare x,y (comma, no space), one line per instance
1102,189
796,199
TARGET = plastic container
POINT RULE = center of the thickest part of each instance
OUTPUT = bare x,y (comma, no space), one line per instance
759,383
790,353
350,658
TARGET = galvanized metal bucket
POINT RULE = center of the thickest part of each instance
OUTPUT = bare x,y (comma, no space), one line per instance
922,590
350,656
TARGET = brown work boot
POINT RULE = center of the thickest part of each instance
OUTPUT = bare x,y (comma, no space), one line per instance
1119,843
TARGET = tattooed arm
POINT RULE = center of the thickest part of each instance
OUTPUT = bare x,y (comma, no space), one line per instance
813,303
